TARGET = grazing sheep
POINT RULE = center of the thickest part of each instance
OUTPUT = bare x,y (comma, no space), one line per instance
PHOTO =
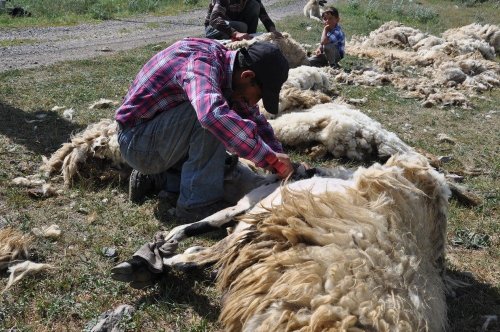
292,50
358,253
344,131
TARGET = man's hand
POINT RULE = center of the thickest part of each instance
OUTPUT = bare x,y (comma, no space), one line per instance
281,164
276,33
240,36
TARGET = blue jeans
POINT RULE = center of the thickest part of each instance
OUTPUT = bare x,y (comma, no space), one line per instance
247,22
181,154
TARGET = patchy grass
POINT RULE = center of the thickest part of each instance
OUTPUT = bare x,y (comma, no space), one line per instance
94,215
17,42
71,12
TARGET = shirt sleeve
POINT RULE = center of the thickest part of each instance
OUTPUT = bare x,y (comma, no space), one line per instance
266,132
201,79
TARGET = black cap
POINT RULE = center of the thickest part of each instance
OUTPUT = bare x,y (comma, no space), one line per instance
271,71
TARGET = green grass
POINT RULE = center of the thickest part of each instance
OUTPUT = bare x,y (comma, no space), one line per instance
70,12
93,215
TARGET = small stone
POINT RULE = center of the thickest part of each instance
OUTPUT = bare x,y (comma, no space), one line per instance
109,252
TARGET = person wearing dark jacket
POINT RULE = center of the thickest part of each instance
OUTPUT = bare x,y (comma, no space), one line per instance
236,19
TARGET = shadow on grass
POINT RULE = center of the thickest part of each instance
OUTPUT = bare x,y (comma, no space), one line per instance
40,132
177,290
469,309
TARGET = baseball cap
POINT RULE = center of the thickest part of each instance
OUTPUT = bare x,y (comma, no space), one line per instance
271,71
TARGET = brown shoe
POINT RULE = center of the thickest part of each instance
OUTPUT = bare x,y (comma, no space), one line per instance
189,215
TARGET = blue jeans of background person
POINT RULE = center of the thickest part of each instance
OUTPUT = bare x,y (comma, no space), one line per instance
247,22
174,141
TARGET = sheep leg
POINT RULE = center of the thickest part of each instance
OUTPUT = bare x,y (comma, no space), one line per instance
223,218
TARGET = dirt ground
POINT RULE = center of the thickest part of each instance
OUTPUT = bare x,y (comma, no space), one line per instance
46,46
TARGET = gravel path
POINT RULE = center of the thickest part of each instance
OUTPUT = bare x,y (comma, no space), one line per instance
47,46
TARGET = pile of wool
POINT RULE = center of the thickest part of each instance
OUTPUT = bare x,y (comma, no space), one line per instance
291,49
344,131
98,142
489,33
363,254
13,246
13,255
364,77
456,65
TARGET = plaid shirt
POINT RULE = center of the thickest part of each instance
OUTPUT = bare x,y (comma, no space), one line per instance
220,11
199,71
336,36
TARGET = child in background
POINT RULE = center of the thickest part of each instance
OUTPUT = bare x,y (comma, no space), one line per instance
331,49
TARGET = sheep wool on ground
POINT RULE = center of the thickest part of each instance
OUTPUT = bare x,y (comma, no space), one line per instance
98,141
439,65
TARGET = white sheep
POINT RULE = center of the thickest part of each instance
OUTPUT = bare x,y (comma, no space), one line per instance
361,252
344,131
291,49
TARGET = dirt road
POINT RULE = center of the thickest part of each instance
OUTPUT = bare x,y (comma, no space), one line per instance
45,46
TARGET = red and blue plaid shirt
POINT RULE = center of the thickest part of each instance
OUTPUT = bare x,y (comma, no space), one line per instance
200,71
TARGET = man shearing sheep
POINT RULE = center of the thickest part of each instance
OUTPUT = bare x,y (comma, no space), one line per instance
188,104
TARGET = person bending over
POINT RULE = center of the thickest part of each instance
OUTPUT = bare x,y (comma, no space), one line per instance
236,19
187,105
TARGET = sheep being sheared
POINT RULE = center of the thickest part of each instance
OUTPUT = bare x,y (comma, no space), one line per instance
344,131
292,50
365,252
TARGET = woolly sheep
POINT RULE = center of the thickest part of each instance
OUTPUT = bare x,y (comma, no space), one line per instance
292,50
361,253
305,87
344,131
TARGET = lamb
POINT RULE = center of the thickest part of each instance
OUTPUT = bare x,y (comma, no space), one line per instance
292,50
361,252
